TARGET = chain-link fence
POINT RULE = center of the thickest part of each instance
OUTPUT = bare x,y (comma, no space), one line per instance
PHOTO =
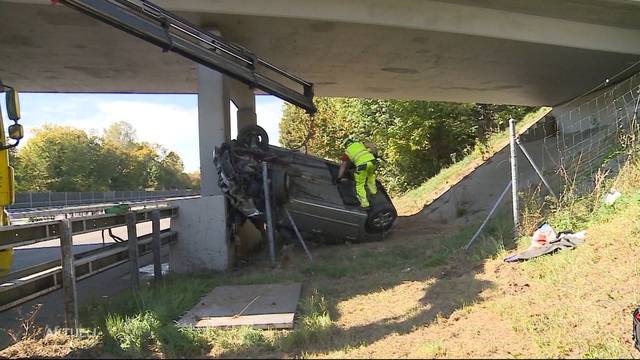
33,200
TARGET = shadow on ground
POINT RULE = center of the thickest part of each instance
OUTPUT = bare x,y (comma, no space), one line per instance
448,287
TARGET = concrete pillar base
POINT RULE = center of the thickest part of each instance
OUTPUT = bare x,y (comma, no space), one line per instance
203,243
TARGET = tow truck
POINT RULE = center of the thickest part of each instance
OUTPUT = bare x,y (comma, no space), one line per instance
7,191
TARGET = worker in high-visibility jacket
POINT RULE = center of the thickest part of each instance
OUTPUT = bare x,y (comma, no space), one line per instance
364,161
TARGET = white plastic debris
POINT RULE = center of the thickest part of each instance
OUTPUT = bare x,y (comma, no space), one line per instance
543,235
611,196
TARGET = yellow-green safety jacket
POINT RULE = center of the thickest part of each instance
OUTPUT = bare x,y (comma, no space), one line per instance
358,153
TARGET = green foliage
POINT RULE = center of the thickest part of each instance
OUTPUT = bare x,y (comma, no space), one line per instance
314,325
415,138
133,334
120,133
62,158
57,158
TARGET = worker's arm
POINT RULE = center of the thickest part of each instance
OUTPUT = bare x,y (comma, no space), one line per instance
343,168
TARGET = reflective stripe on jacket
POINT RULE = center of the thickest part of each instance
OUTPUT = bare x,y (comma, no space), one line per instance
358,153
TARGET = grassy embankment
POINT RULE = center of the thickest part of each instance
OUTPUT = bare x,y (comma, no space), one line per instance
417,295
415,200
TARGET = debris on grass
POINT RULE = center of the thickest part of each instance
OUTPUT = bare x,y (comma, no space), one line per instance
546,241
611,196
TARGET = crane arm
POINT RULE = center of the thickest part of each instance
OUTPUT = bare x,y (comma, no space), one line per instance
153,24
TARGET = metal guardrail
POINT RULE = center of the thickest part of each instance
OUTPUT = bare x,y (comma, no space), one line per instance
34,200
87,210
27,284
21,235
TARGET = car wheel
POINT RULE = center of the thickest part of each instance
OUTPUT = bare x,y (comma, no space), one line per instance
253,136
380,219
280,186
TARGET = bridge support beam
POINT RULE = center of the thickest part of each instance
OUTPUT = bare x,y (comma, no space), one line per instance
245,100
204,243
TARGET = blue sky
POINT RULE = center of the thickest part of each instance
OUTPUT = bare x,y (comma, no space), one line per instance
154,117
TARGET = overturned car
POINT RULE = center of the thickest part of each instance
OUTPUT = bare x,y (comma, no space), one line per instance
324,210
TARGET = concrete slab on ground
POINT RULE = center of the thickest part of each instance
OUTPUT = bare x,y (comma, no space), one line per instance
261,306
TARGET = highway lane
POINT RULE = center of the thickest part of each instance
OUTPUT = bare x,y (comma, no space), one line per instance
50,250
94,289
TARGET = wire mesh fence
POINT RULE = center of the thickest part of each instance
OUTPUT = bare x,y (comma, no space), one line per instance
593,128
573,142
51,199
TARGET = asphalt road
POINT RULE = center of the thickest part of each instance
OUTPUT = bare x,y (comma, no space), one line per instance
96,288
50,250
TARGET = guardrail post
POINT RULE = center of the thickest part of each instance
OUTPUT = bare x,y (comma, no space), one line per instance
69,276
156,245
514,176
132,234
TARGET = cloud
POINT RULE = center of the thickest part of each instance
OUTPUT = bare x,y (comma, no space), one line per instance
172,126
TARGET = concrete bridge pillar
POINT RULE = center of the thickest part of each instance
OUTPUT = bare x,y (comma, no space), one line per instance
245,100
203,241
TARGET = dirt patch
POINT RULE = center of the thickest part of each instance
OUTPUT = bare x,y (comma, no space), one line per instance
480,334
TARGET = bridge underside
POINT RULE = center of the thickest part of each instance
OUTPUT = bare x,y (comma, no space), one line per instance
52,48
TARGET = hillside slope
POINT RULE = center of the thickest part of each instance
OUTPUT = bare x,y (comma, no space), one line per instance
416,294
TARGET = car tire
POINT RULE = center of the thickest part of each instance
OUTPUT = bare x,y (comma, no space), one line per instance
280,183
380,219
253,136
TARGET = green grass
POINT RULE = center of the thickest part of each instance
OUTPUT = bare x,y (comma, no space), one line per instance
576,303
129,333
142,324
414,200
585,292
314,325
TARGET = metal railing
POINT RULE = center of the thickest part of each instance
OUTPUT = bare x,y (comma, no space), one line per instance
50,199
32,215
27,284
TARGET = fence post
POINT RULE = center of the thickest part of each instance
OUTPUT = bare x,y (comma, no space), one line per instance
489,215
156,245
514,175
132,235
535,168
68,276
267,205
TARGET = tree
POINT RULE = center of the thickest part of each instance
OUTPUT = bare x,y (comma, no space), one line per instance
57,158
171,173
194,178
120,133
415,138
62,158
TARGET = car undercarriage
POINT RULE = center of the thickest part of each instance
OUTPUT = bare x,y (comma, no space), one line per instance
324,210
